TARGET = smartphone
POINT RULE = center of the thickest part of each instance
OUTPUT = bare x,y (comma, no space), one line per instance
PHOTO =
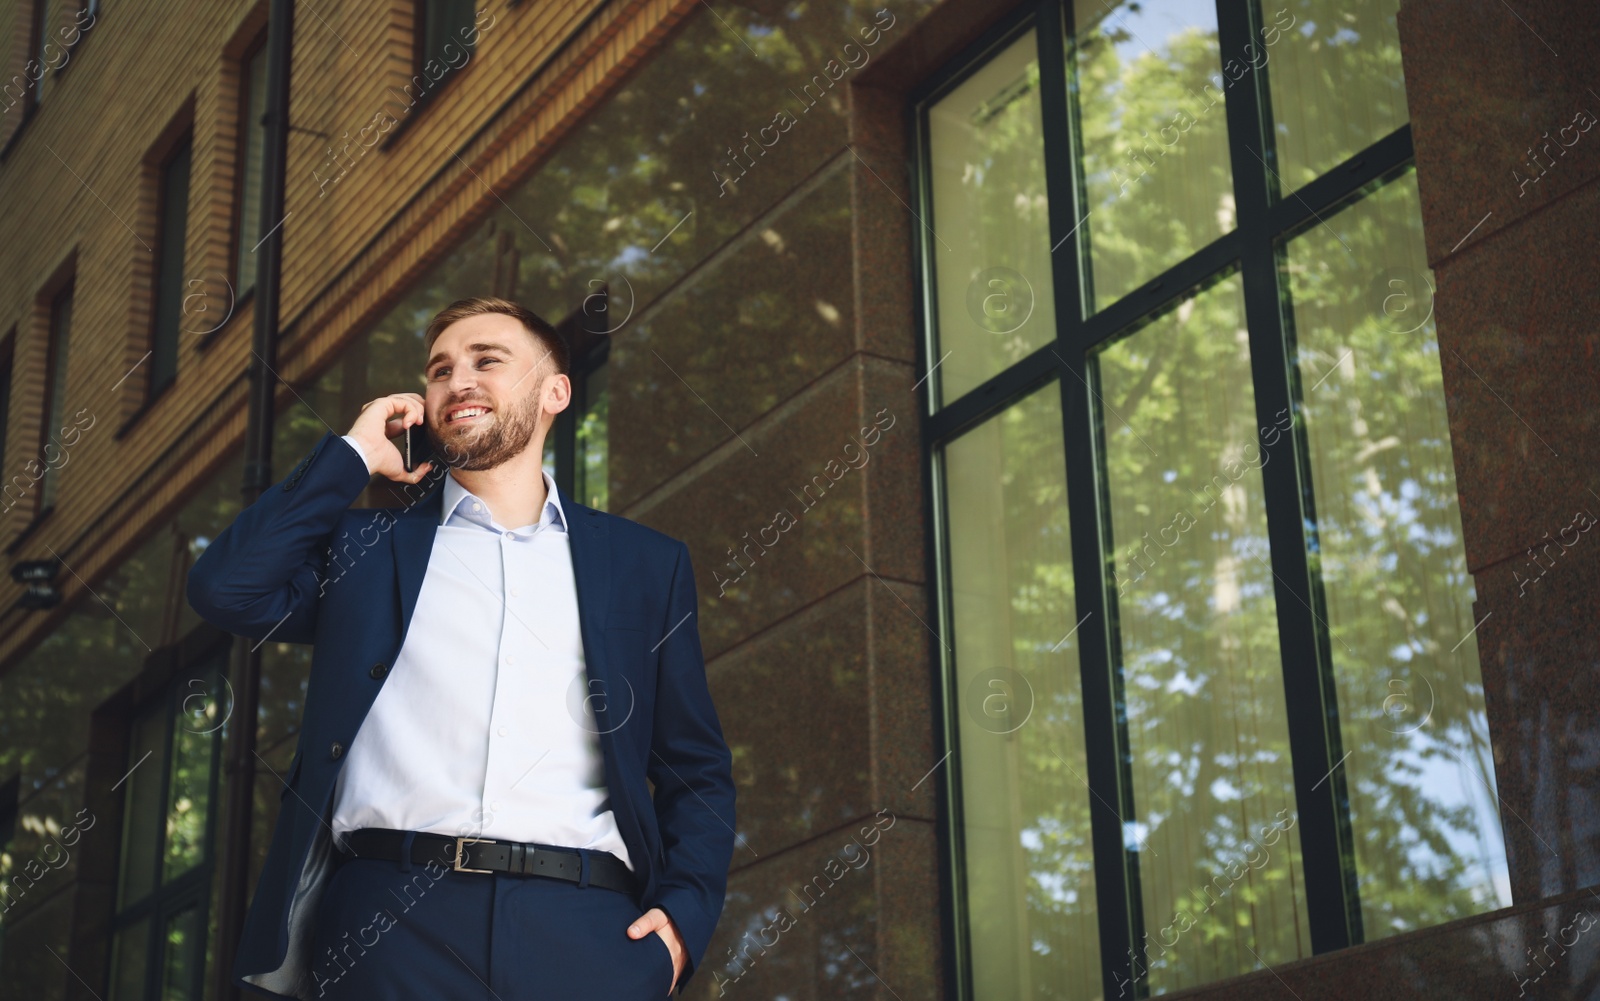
414,447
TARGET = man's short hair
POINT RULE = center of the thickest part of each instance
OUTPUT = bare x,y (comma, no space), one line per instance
543,333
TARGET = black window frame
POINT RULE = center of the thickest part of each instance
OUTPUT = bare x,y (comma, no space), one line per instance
1267,219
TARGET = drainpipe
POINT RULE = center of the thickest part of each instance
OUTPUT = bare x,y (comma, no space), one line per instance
233,868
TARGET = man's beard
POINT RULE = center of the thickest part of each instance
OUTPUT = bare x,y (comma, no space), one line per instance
508,435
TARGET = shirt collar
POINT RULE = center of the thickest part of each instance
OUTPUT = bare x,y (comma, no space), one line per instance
455,494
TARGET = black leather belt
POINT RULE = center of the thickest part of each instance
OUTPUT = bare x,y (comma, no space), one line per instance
487,855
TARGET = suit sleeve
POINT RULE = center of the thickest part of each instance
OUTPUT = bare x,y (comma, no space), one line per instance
263,575
692,769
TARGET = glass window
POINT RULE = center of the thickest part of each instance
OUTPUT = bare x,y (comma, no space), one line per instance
445,26
589,471
45,52
1208,736
164,870
1152,133
1253,465
55,406
141,826
169,284
990,254
1028,862
9,862
8,346
1394,568
1335,81
129,954
185,948
252,156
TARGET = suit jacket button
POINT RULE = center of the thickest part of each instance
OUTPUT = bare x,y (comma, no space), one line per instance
299,471
378,671
336,751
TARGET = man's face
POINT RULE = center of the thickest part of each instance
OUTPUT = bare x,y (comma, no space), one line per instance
489,381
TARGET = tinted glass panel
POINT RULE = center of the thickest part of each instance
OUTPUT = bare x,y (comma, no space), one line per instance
1208,737
1153,139
990,245
1399,598
1336,84
592,444
252,147
195,727
129,960
185,952
169,277
1029,864
141,824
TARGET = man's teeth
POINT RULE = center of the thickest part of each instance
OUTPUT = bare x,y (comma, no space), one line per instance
468,412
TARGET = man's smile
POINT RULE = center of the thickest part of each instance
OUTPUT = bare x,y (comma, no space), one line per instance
466,413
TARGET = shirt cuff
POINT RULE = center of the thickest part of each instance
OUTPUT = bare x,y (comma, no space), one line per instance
350,439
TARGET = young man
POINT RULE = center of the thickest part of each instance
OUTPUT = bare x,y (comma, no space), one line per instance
497,671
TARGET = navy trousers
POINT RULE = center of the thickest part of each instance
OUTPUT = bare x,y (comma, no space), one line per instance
394,931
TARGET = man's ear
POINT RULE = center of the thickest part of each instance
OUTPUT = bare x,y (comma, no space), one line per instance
564,384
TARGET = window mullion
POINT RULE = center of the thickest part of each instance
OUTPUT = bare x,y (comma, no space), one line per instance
1116,869
1314,739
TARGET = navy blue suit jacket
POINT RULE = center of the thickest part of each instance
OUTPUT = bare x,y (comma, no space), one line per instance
300,566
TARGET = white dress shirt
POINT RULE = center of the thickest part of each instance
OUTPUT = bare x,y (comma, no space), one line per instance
483,728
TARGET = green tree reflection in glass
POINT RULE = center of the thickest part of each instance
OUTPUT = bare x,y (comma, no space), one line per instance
1028,857
1153,138
1399,599
990,258
185,949
1335,82
196,723
1203,680
592,441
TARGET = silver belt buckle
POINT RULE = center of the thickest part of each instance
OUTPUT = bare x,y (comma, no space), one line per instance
460,841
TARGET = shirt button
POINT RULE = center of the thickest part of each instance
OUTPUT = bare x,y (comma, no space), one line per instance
511,535
515,592
477,507
501,731
508,660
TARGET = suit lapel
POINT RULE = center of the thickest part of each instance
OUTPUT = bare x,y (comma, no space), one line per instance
412,542
590,541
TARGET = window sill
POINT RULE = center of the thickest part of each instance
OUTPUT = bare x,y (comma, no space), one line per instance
144,408
30,528
210,336
29,109
425,100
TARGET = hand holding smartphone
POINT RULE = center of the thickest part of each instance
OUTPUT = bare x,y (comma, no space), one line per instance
408,459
